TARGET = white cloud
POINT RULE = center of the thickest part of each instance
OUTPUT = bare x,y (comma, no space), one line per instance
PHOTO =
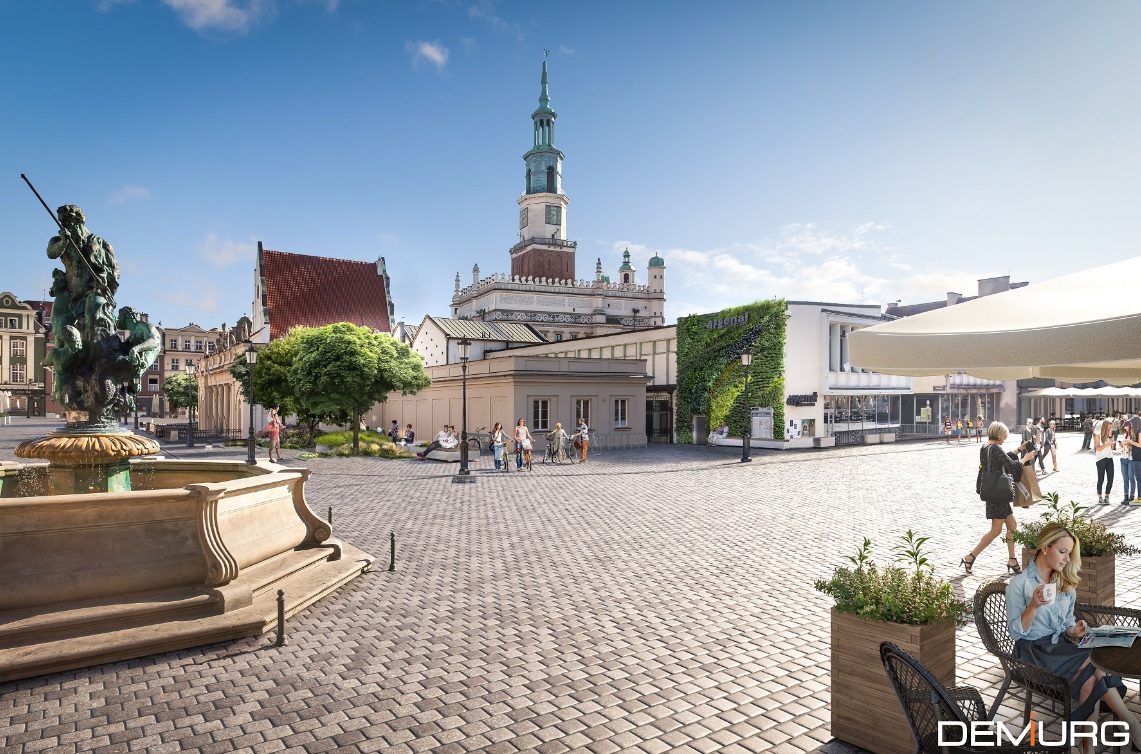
432,52
485,11
129,193
204,297
564,50
804,262
223,252
106,5
221,15
469,45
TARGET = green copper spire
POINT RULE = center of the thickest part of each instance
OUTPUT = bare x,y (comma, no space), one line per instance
626,262
544,96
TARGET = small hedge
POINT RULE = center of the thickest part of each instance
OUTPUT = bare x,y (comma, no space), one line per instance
340,437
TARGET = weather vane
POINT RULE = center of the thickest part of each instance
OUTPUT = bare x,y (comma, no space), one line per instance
546,53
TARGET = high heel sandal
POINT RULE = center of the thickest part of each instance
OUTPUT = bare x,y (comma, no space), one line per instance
968,566
1012,565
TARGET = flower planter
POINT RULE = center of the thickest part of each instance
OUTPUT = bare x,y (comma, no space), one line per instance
1098,576
865,710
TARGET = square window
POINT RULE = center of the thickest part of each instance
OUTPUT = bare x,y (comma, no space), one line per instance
540,414
174,344
174,365
18,347
18,375
13,323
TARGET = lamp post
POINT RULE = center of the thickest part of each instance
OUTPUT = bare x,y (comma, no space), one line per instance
746,361
464,346
190,408
251,359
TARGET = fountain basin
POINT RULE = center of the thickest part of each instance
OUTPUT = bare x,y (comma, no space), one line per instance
195,556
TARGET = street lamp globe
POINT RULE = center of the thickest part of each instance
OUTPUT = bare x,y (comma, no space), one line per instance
464,346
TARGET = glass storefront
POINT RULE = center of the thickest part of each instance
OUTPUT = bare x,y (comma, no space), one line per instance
845,413
923,413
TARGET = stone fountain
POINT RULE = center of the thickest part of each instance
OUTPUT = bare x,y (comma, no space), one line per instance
110,551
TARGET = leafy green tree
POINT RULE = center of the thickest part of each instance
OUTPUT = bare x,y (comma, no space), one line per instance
344,370
272,387
181,390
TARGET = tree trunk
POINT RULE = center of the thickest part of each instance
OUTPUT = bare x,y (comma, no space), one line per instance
356,431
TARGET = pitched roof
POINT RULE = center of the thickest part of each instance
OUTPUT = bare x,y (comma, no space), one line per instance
315,291
473,329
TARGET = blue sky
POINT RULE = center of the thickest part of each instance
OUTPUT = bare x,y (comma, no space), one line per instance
830,151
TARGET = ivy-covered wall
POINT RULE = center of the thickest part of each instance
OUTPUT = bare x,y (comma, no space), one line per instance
710,378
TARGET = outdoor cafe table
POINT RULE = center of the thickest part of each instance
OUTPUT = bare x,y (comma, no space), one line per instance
1121,661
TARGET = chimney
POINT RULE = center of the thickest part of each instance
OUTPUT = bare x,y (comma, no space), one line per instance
988,286
953,298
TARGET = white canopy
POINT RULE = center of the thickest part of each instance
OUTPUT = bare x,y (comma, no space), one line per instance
1073,328
1086,392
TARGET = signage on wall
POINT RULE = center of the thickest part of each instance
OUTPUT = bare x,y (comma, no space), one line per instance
801,400
723,322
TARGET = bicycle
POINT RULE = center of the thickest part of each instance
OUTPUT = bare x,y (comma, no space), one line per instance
525,460
478,442
553,454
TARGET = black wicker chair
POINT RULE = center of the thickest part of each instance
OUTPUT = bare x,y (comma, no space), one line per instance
990,619
926,702
1103,615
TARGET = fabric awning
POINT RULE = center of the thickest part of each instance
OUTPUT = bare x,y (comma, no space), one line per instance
1069,328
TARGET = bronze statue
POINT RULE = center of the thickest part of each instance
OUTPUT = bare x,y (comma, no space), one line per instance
97,370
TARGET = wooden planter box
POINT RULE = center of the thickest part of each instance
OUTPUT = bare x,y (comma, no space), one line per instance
865,710
1097,584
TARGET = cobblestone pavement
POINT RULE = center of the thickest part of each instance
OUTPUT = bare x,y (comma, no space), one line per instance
652,600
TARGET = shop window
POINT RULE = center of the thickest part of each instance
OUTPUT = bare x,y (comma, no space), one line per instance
540,414
620,413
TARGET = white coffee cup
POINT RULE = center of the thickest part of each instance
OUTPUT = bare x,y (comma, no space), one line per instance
1049,592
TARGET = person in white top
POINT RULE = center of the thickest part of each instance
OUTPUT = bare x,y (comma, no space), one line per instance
523,443
1103,444
582,439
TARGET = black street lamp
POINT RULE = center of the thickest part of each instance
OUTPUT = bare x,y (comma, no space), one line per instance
746,361
251,359
464,346
190,408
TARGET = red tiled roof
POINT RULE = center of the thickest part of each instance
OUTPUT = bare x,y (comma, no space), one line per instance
316,291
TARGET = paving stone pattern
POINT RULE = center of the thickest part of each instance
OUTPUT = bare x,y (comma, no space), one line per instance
653,600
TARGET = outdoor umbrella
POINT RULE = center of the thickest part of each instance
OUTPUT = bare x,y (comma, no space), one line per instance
1069,328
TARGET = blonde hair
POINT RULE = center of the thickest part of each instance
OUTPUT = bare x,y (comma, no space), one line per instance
558,425
1106,431
997,431
1068,577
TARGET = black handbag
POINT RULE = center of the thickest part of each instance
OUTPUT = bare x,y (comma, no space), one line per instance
995,485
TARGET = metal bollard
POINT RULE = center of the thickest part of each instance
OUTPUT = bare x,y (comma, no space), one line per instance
392,551
280,618
330,519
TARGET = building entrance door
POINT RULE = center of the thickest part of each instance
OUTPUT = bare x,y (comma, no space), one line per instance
659,421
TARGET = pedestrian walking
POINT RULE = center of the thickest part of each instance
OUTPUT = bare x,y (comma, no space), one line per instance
958,431
498,442
1128,469
991,457
1103,456
1050,443
1087,430
557,441
273,429
1040,441
947,428
394,431
1116,425
979,428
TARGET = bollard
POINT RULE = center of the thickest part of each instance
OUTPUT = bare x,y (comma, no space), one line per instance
392,551
330,515
280,618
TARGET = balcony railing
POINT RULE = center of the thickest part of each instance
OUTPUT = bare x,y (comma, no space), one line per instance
556,242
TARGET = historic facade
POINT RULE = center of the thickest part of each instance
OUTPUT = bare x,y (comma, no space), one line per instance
22,351
543,288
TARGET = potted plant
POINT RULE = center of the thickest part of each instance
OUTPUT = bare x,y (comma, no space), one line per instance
905,604
1100,548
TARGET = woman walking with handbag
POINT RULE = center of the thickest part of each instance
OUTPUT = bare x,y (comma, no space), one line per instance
1050,443
998,472
498,441
1103,456
523,443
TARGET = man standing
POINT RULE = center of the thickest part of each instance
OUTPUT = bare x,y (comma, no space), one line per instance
583,439
394,431
1087,428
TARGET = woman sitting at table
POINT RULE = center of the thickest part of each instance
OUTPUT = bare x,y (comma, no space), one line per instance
1046,632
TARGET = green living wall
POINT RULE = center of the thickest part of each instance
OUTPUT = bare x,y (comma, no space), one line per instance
710,378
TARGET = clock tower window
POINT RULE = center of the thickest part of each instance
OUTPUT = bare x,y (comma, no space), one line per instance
528,181
550,179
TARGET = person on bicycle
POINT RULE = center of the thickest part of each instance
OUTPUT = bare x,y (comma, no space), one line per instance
523,442
498,441
581,439
557,442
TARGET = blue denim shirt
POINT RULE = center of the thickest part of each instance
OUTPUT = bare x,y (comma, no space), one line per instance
1050,620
